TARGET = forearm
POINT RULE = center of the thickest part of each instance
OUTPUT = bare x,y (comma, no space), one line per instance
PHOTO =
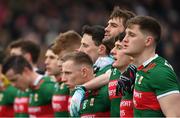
97,82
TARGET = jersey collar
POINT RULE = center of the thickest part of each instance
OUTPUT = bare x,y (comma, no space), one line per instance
147,62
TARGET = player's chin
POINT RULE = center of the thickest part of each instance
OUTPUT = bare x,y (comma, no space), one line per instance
125,51
115,64
49,73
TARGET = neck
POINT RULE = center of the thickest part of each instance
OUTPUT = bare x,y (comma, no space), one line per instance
122,69
90,77
140,59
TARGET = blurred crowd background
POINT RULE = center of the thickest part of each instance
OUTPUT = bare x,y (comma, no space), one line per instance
42,20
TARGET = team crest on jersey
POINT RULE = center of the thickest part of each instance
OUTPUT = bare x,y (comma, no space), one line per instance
36,97
139,78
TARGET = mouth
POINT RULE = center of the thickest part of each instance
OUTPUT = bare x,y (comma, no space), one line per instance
115,59
106,35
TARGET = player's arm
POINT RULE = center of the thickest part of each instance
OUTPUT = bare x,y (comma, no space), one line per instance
98,81
80,91
170,105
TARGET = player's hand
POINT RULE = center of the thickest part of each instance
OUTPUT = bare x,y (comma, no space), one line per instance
76,100
127,80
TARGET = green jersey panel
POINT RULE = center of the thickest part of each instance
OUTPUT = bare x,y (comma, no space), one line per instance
6,101
115,100
21,103
97,103
60,100
40,99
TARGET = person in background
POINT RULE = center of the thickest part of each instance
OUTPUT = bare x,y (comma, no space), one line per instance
51,64
7,92
31,52
66,42
21,74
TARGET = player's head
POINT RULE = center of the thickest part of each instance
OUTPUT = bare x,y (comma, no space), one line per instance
65,43
51,62
121,60
77,68
68,41
142,33
16,68
91,42
3,80
117,22
28,49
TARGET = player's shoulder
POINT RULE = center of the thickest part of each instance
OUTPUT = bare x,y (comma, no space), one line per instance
161,69
161,66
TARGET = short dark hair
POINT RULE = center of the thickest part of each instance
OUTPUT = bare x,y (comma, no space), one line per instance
120,36
79,58
17,63
147,24
69,40
109,44
120,13
27,47
96,31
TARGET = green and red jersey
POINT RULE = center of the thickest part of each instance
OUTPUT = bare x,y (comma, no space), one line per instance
154,79
40,98
97,102
126,105
121,106
60,100
7,97
115,99
21,103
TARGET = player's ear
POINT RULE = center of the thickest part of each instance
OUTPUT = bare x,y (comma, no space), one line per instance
84,71
102,49
149,40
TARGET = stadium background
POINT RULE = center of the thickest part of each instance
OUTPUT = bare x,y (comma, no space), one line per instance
42,20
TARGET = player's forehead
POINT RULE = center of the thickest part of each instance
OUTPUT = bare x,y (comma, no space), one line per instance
132,27
50,53
116,20
87,39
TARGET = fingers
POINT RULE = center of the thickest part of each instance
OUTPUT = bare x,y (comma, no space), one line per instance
73,109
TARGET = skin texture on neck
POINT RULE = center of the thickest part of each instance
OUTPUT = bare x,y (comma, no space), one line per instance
141,58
